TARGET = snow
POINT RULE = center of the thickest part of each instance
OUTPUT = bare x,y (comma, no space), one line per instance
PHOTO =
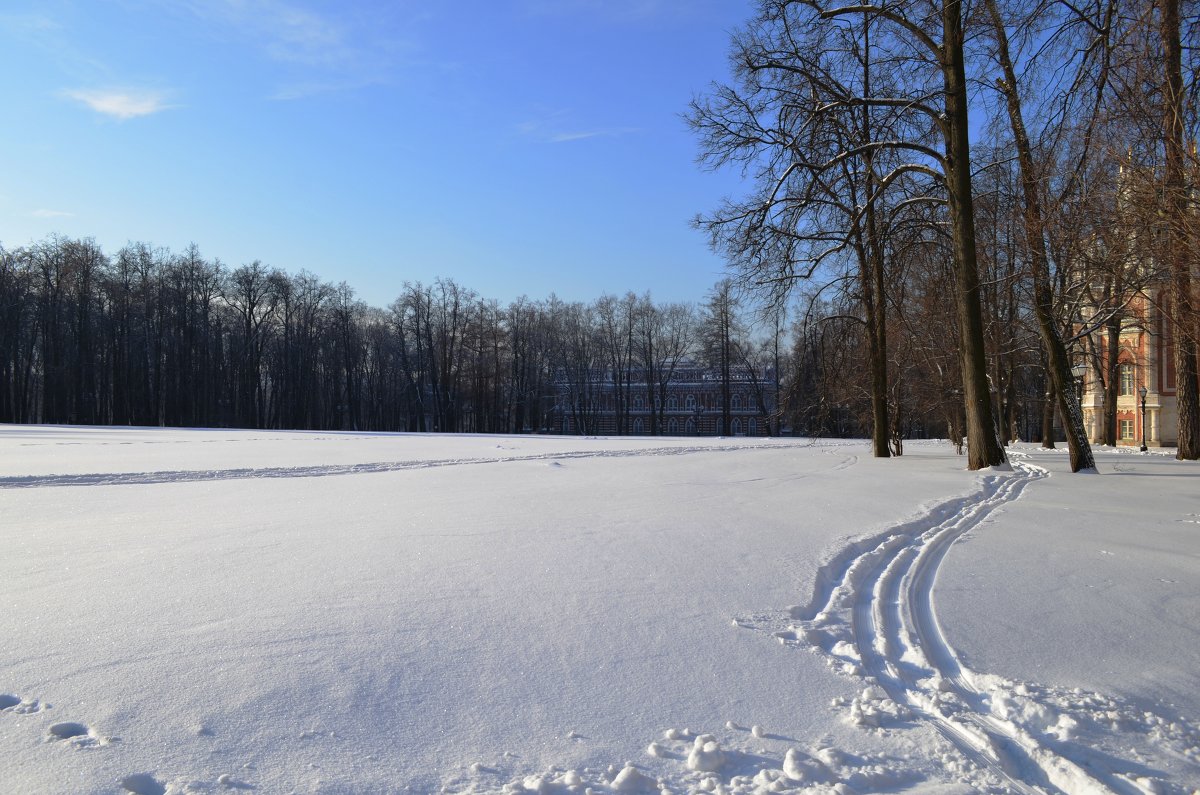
208,611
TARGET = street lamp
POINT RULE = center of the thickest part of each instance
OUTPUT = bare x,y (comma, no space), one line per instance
1142,395
1077,374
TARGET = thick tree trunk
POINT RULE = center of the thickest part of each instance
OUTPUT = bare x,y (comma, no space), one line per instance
982,448
1187,381
872,280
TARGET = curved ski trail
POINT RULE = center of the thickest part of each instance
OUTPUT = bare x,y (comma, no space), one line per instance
873,613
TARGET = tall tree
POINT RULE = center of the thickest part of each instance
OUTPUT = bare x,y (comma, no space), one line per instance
783,133
1032,181
1176,244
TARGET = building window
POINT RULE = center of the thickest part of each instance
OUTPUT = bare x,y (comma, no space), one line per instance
673,428
1125,372
736,426
691,401
752,427
637,424
673,402
637,403
1126,430
735,403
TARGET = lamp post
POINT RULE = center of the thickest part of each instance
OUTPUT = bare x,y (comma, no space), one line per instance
1077,374
1142,395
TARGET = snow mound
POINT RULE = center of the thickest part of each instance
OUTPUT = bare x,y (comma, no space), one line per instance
706,755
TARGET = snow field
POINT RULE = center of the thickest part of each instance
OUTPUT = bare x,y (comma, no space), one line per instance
211,611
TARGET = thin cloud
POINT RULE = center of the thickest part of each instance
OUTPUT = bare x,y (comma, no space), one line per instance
285,31
611,132
51,214
121,104
552,129
26,24
332,51
312,89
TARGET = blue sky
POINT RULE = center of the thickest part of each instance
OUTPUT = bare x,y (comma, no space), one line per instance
521,147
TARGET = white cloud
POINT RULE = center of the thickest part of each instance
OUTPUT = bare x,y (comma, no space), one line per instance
552,129
334,50
121,103
286,31
51,214
579,135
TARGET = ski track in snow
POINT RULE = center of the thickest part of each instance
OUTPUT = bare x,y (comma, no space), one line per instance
873,615
326,470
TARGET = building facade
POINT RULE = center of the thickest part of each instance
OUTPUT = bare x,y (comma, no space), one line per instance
1145,360
687,401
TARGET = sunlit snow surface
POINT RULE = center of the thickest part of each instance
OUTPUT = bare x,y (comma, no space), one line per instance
216,611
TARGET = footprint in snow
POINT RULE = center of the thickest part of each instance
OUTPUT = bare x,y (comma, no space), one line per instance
142,784
78,734
68,729
19,706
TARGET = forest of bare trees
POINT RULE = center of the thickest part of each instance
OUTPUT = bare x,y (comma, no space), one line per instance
150,337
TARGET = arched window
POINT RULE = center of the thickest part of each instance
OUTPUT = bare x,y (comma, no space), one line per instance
751,427
673,402
691,401
735,402
637,402
1126,376
736,425
637,424
673,427
691,427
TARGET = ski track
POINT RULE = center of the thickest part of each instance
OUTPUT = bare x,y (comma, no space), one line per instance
873,614
326,470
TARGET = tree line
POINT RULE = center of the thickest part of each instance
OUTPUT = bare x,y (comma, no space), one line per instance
151,337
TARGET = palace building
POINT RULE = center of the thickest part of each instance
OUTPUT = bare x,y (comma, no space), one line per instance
1145,361
688,402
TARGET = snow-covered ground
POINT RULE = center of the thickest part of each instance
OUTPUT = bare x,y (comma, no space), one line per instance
210,611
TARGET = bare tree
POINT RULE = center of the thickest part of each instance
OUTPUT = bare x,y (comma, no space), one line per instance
781,126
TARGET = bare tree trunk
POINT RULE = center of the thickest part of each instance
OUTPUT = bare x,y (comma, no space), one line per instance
982,448
1187,380
872,279
1058,361
1112,351
1048,416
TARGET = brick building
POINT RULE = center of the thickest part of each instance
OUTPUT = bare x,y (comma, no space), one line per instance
687,402
1146,359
